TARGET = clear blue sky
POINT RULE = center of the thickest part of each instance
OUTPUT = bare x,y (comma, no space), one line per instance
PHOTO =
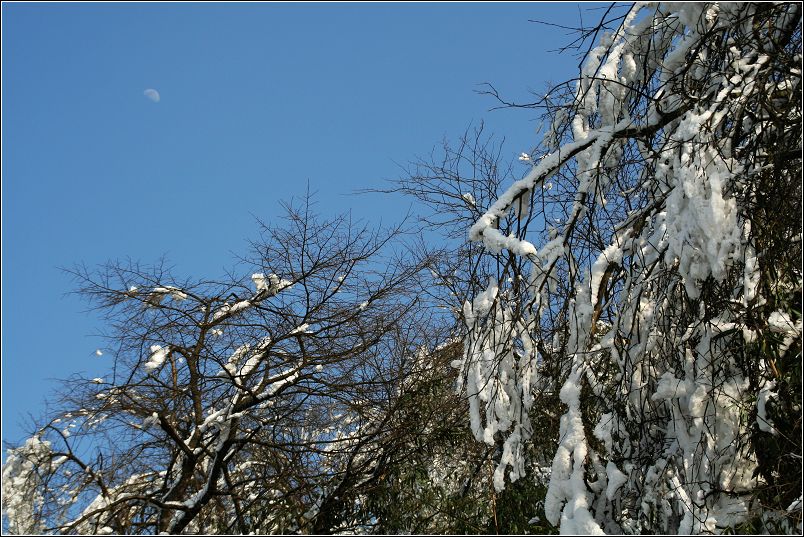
256,100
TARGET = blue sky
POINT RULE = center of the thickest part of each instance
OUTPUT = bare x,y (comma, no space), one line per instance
256,100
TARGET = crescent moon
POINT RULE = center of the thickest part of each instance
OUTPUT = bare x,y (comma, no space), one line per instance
151,94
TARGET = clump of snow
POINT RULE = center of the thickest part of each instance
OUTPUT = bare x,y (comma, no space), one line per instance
481,304
255,354
231,309
176,293
301,329
780,322
616,479
158,356
260,282
158,294
151,421
765,395
271,284
232,365
240,306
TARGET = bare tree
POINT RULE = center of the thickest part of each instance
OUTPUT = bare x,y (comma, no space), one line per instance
249,405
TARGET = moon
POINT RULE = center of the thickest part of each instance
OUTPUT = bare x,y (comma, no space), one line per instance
151,94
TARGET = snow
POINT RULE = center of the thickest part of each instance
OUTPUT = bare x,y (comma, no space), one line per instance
669,387
228,310
603,430
240,306
151,421
301,329
482,303
750,276
250,365
176,293
22,485
498,382
270,284
158,356
234,359
279,381
260,281
780,322
616,479
158,294
613,254
254,354
765,395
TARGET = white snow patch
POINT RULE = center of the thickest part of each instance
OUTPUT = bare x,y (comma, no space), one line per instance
765,394
158,356
301,329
